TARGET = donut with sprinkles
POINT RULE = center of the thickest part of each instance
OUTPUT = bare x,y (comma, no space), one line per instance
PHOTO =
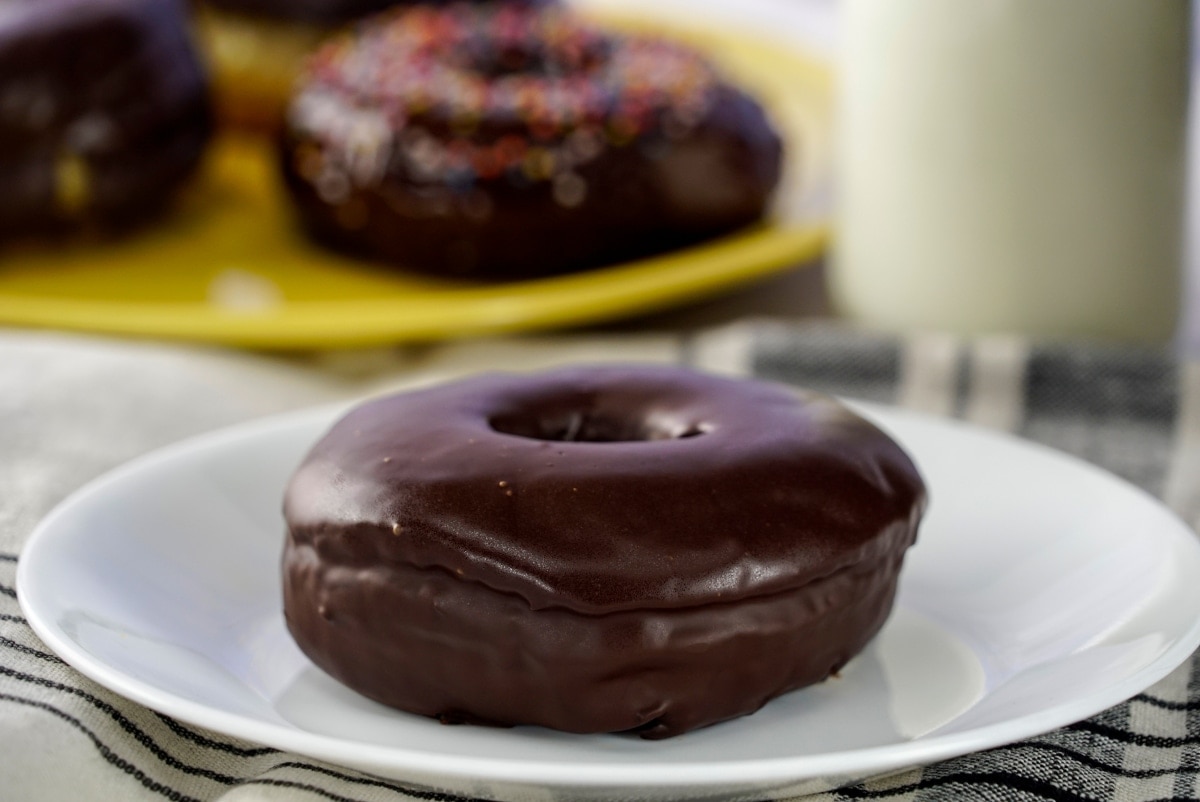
499,140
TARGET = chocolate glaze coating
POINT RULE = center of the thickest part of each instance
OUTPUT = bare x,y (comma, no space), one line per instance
112,90
669,186
595,549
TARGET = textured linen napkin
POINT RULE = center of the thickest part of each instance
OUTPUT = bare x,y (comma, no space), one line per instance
71,408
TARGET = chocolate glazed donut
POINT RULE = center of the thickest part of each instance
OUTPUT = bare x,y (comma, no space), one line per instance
599,549
499,141
104,113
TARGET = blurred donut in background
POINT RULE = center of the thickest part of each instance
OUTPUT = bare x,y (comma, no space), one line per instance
104,114
256,48
495,141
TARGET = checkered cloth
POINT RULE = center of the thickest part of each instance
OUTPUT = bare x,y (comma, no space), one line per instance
72,408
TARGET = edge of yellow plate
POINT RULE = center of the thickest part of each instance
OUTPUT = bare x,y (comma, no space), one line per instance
573,300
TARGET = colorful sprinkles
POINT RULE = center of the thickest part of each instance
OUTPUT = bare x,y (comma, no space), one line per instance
469,92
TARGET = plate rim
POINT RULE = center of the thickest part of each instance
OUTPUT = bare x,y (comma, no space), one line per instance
598,775
589,297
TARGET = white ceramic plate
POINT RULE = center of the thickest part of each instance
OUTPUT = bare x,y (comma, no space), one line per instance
1042,590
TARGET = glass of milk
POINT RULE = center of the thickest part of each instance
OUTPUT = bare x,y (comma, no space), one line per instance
1012,166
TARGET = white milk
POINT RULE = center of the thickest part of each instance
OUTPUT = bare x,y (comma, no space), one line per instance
1012,165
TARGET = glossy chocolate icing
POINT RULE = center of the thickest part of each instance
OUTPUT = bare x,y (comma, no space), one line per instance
668,186
595,549
104,112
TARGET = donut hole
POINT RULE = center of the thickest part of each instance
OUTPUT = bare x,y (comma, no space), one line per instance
497,62
533,56
590,426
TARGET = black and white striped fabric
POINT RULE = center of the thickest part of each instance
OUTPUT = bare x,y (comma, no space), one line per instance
72,408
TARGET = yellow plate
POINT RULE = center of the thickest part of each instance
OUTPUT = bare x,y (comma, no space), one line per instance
230,268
